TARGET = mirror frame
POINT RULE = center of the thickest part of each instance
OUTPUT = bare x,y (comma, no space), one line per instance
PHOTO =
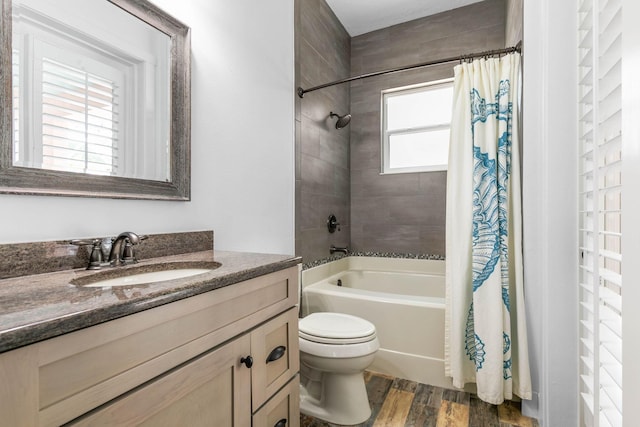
30,181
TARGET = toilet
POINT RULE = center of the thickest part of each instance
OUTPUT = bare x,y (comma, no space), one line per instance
335,349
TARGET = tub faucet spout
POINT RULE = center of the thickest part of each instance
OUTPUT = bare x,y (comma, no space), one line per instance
333,249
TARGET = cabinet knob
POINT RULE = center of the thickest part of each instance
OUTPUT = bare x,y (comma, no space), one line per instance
276,353
248,361
281,423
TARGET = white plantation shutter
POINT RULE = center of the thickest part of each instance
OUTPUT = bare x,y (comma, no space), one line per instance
600,132
79,120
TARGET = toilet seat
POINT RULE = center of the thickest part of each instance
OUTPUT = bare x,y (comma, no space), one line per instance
338,351
336,329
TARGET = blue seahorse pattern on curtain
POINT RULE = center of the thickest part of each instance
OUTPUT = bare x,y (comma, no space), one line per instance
485,334
490,214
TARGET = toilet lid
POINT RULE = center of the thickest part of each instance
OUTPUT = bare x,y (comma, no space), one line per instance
336,328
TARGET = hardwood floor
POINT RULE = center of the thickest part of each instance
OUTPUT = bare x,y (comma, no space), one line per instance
396,402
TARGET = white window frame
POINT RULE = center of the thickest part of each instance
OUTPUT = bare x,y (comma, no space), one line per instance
385,139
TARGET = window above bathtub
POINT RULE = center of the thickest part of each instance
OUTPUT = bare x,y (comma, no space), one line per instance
415,127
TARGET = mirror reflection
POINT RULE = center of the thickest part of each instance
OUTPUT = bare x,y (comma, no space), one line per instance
90,90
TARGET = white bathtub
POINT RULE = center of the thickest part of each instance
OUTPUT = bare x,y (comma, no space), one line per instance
403,298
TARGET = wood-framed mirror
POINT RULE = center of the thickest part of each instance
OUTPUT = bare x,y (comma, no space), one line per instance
95,100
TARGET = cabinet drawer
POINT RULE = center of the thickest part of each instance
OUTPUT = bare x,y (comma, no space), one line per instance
274,347
283,409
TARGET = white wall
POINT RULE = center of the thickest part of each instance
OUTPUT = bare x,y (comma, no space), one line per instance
242,142
550,208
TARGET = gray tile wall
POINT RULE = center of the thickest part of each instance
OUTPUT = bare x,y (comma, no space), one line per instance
322,152
513,26
406,212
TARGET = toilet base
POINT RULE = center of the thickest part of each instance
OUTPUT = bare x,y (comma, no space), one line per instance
342,400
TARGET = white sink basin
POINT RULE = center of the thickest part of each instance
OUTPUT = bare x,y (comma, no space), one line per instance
142,278
143,275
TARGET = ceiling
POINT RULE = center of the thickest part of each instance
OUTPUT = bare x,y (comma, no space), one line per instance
362,16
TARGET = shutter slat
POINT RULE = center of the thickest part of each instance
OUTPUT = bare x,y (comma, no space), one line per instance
611,320
613,277
587,398
585,22
611,345
613,369
586,80
610,167
587,381
607,16
587,325
588,363
611,254
587,307
611,399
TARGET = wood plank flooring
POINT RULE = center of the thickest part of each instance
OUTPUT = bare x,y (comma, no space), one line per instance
396,402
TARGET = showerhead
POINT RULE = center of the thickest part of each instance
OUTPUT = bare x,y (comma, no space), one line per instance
342,120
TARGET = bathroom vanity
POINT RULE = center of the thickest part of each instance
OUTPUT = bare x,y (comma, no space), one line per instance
217,349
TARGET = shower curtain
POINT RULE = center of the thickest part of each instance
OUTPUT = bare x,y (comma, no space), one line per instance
485,330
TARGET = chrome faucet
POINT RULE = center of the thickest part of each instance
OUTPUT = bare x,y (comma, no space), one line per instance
122,248
333,249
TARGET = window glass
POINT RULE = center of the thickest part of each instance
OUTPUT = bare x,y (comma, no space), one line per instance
415,132
419,149
426,107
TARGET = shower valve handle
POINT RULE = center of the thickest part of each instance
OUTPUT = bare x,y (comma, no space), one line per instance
333,224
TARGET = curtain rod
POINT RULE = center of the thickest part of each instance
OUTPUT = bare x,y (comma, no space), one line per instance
516,48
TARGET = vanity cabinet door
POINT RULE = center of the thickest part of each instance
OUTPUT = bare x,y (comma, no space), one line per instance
283,409
274,347
212,390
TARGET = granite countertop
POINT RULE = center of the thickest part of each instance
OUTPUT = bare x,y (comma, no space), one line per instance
37,307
